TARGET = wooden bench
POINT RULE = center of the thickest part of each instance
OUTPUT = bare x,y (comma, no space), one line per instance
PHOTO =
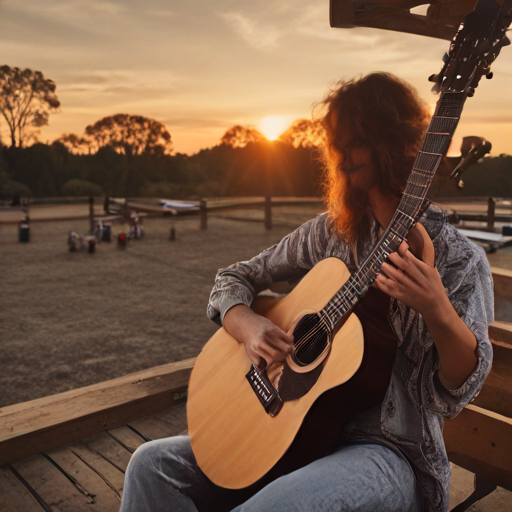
479,439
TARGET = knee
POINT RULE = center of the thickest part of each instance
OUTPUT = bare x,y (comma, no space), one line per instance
143,460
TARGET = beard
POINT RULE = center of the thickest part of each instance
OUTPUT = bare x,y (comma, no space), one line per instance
352,211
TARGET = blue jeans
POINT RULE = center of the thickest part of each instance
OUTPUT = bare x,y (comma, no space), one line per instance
162,476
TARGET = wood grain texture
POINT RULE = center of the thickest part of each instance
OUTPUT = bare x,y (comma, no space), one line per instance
502,279
174,419
53,487
481,441
496,393
501,332
235,442
150,429
14,497
110,449
127,438
32,427
69,458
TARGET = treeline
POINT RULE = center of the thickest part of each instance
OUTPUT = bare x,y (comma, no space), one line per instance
491,177
259,168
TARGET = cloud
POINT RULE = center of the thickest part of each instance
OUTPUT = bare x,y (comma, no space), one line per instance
255,35
161,13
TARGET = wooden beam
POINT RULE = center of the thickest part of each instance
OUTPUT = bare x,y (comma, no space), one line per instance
481,442
496,393
501,332
502,279
31,427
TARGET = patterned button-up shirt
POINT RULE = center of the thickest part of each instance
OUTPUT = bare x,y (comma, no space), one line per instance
411,415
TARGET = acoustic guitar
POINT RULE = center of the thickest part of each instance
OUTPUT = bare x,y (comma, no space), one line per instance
242,421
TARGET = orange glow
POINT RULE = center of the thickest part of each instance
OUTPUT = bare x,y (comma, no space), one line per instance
273,126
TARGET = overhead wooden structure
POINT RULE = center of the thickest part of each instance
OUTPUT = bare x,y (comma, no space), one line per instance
441,20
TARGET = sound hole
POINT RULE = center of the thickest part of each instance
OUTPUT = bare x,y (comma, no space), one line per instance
310,338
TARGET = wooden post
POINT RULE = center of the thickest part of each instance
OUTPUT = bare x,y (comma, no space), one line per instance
91,215
125,211
203,214
491,207
268,212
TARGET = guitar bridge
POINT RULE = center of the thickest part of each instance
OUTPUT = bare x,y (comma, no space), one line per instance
267,394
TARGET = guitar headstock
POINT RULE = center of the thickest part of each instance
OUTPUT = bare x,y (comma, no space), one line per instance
475,47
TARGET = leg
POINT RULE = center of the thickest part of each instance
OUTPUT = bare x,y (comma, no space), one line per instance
356,478
163,476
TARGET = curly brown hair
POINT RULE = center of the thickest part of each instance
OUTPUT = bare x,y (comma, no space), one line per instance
384,114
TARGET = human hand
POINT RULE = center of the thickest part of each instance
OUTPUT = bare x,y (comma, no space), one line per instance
263,340
413,282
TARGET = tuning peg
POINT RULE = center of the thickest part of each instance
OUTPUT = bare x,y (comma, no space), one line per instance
436,88
434,78
471,92
489,75
446,57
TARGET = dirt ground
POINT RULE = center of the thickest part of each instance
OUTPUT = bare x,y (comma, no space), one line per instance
72,319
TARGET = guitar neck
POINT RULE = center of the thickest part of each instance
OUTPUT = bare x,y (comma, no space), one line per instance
433,148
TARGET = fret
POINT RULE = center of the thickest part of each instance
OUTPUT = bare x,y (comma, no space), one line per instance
427,162
411,204
422,173
415,179
436,144
400,212
397,234
411,195
449,105
412,189
431,153
443,124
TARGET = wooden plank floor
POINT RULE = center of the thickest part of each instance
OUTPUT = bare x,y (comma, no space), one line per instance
88,475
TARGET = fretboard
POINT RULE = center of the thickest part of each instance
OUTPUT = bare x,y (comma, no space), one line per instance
434,146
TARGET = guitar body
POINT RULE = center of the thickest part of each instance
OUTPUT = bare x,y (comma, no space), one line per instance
234,440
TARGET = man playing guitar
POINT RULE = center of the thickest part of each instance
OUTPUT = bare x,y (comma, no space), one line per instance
426,321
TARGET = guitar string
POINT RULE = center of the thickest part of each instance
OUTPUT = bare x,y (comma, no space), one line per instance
363,274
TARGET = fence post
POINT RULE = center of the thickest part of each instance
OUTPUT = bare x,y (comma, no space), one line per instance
203,214
491,208
268,212
125,211
91,214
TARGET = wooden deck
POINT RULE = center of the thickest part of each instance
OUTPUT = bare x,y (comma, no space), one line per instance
84,475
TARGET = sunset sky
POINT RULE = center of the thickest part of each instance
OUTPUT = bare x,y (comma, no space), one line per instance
202,66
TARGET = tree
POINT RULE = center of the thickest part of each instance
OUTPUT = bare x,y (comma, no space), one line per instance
26,100
239,136
80,188
129,135
74,143
305,133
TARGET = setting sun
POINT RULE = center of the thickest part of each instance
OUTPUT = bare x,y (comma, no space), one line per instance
273,126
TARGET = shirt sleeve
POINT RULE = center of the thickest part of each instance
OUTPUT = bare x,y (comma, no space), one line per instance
472,298
291,258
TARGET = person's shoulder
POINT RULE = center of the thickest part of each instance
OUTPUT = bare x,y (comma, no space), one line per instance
319,224
458,254
446,237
